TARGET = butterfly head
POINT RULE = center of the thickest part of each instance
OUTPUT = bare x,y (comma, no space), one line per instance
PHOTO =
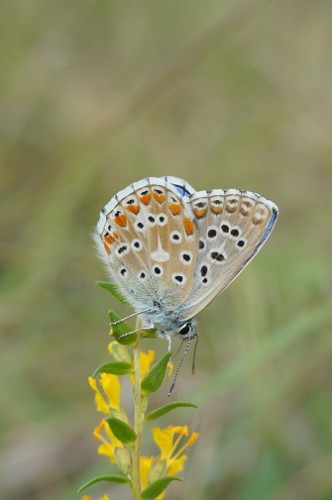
187,330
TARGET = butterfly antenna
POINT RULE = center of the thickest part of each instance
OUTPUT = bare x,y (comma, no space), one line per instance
179,366
128,317
194,356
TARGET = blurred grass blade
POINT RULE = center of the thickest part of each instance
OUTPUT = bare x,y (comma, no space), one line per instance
277,342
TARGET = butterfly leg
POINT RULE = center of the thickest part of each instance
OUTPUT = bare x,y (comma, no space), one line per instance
166,336
128,317
169,341
143,329
134,331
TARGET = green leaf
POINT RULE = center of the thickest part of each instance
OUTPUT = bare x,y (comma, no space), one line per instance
151,334
155,377
113,290
121,430
158,486
121,329
117,368
112,479
167,408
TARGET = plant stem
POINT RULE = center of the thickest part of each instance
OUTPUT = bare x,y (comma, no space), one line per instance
138,422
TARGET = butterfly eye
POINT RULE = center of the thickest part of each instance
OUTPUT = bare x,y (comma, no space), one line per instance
185,329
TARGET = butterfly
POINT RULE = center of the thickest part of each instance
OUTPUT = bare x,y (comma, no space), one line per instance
170,250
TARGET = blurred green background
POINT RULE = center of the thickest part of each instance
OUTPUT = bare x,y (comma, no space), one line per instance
96,94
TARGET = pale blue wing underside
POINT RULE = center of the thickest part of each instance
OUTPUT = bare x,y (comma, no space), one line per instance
233,225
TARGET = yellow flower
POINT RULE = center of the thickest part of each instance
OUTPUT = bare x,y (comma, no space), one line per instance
170,442
104,497
109,441
145,466
111,392
146,463
145,359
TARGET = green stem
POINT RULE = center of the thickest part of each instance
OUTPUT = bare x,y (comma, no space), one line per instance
138,422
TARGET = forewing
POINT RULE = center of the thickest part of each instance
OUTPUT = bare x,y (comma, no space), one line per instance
148,242
232,226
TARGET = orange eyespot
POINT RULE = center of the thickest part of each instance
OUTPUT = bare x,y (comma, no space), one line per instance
121,220
146,199
199,212
109,239
175,208
188,225
133,209
159,197
216,210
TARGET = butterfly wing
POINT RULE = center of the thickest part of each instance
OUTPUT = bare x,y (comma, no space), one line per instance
232,226
148,241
